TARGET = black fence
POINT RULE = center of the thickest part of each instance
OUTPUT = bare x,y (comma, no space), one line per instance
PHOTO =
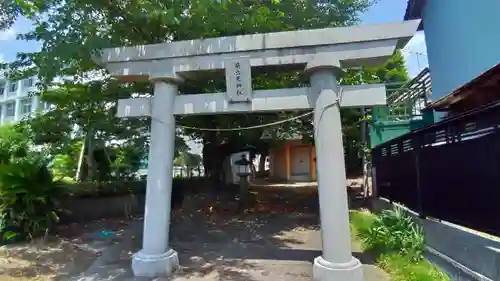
449,171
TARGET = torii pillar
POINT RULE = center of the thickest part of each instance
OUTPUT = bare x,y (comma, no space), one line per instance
322,52
336,262
156,258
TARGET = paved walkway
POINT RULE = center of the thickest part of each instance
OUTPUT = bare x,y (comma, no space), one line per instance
268,247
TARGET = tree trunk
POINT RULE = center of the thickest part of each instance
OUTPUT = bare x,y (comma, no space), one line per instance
366,178
364,136
213,159
243,204
91,163
208,154
79,170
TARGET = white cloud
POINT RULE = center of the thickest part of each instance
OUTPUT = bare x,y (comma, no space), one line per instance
2,57
9,34
415,54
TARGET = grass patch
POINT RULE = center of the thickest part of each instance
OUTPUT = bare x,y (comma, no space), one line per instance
402,268
395,242
361,220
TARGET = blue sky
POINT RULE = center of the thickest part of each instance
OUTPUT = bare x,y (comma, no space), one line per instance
384,11
415,51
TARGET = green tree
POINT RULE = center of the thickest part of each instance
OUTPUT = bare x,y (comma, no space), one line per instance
71,31
188,160
86,112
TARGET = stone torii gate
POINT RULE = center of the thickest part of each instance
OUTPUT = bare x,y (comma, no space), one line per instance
322,53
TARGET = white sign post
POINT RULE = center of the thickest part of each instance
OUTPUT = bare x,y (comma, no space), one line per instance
238,80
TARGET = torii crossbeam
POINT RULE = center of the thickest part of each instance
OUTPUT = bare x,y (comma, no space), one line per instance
321,53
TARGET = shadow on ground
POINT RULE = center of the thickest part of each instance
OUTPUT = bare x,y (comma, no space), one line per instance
253,247
277,239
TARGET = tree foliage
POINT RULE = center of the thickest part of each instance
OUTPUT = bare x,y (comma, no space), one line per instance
71,31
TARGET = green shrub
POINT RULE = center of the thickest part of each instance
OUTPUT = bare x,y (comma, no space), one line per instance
402,264
394,231
63,166
28,197
119,188
105,189
362,220
14,143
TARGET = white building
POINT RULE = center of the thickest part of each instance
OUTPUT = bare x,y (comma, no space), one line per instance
15,99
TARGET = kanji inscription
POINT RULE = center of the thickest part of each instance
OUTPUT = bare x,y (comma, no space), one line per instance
238,80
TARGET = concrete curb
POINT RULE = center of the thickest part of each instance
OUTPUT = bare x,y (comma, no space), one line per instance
456,270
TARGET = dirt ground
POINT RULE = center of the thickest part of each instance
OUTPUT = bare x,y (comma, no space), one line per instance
71,250
261,247
44,261
276,239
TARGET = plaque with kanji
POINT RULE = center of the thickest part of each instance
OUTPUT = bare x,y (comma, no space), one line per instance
238,80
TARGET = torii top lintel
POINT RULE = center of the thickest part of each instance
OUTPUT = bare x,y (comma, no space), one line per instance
353,46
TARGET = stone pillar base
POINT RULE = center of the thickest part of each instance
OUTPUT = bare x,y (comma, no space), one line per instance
146,265
327,271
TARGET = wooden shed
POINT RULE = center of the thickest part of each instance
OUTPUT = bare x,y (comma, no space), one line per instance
293,160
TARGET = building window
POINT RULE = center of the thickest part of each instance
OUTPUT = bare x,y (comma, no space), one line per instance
2,88
28,82
10,109
13,86
25,106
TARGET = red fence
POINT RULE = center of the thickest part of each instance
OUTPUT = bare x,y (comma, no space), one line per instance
449,171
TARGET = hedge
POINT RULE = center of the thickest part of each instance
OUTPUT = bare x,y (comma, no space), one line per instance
117,188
